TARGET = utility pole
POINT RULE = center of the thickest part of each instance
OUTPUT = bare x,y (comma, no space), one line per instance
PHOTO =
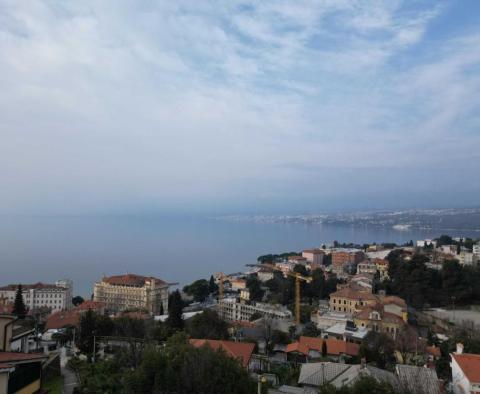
261,379
93,358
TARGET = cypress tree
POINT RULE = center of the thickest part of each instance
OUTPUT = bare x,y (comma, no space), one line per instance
324,348
175,307
19,307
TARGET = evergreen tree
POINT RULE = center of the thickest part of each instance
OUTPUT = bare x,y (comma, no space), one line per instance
324,349
19,307
87,329
162,311
212,287
175,307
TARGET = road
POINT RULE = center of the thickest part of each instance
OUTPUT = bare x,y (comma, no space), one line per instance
69,377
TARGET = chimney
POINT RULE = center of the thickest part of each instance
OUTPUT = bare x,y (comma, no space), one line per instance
459,348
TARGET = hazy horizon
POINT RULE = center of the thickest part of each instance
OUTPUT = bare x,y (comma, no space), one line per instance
238,107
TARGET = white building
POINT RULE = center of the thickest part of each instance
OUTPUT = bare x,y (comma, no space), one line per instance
264,275
476,249
285,267
314,256
465,372
366,267
231,309
466,258
426,242
56,296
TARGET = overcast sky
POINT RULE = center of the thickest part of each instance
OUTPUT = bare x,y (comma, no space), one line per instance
126,106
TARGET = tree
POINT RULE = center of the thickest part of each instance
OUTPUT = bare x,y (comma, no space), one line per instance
180,368
19,308
175,308
253,285
324,349
199,290
77,300
87,331
378,348
317,288
212,286
207,325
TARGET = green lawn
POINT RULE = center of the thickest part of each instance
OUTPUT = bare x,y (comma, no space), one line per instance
54,385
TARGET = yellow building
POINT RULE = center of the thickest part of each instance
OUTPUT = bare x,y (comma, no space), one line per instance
350,301
124,292
388,316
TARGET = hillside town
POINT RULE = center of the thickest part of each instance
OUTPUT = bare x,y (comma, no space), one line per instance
392,318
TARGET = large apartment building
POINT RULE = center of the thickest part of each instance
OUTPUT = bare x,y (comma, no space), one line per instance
56,296
129,291
342,257
232,309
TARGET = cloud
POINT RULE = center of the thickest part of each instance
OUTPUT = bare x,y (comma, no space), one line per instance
117,103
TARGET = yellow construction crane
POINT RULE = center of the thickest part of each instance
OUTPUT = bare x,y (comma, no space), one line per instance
298,277
221,276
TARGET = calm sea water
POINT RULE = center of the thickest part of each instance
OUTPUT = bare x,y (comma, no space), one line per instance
174,249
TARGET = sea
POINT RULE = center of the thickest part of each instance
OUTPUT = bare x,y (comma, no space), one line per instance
175,249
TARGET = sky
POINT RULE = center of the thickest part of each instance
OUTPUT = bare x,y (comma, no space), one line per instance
238,106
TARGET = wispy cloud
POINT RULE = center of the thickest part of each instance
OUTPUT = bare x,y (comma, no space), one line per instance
126,102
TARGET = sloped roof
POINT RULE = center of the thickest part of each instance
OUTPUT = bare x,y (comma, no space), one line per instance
334,346
394,300
130,280
62,319
470,365
348,292
418,379
36,286
15,357
317,374
434,351
238,350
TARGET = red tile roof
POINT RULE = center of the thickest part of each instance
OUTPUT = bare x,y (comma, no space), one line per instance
93,305
63,319
334,346
434,351
394,300
130,280
12,357
352,294
239,350
470,365
36,286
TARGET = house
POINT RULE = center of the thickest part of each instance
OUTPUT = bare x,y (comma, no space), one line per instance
297,259
418,380
366,267
347,331
241,351
238,284
465,371
314,375
349,300
21,372
71,318
314,256
307,348
265,275
382,267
